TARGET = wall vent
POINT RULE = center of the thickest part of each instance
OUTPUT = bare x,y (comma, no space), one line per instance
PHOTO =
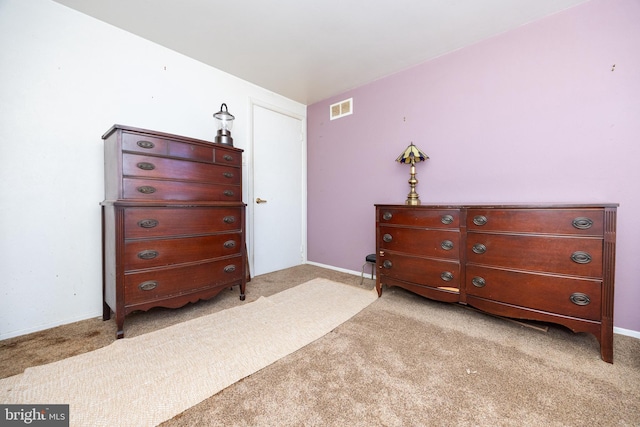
341,109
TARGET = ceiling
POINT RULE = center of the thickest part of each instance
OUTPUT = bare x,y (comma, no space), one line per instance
311,50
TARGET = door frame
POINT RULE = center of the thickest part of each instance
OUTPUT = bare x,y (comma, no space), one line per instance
253,102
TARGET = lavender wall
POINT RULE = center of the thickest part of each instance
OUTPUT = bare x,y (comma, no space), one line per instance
533,115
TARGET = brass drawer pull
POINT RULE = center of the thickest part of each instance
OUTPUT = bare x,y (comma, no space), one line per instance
230,244
228,157
387,216
579,298
582,223
149,254
581,257
387,264
230,268
228,193
387,238
446,219
227,174
479,248
447,245
149,285
146,189
229,219
478,282
479,220
148,223
146,144
447,276
146,166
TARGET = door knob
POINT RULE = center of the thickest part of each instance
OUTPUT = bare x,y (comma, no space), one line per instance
259,200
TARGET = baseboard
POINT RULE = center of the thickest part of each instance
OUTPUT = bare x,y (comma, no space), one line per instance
621,331
627,332
50,325
342,270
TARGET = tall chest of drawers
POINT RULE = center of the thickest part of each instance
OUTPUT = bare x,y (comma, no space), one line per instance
551,263
173,221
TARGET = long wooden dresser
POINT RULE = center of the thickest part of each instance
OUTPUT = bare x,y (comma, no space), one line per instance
550,263
173,221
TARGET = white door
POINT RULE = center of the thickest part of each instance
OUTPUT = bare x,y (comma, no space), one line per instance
278,189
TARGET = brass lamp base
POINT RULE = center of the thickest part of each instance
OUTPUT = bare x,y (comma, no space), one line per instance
413,198
412,202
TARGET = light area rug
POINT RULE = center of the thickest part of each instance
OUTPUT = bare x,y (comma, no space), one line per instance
145,380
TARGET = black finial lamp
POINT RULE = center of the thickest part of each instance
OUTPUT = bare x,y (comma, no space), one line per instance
412,155
224,121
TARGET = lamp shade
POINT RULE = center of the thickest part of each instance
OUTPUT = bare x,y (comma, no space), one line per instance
412,155
224,119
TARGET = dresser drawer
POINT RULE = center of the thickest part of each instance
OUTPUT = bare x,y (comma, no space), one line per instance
148,189
148,286
164,222
422,242
140,254
191,151
586,222
227,157
427,272
431,218
579,256
147,144
160,167
555,294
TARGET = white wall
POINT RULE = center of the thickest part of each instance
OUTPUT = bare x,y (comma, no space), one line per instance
65,78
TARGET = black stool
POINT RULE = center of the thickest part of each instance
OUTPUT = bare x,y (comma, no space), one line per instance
369,259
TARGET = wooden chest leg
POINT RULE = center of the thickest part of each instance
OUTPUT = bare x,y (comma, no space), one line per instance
119,326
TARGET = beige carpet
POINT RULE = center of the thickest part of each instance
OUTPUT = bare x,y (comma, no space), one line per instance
148,379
